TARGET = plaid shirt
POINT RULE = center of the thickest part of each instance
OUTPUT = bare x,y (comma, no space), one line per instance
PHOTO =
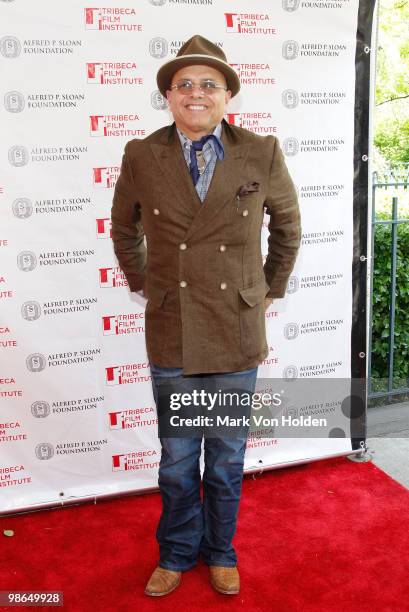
210,158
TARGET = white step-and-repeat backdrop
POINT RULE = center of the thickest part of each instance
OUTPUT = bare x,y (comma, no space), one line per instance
77,416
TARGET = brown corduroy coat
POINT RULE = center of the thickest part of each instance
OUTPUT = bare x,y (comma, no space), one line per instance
202,270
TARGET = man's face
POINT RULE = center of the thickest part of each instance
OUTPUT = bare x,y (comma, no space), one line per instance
197,113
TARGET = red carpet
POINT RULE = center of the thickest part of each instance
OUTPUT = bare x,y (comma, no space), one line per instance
325,536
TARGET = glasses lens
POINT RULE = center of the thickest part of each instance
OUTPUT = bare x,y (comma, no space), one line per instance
207,84
184,86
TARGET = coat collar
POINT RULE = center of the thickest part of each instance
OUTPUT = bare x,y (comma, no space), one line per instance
225,181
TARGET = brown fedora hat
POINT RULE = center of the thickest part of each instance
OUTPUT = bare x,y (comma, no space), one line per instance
198,50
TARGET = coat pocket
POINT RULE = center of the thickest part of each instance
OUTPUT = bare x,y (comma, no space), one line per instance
157,321
252,319
155,294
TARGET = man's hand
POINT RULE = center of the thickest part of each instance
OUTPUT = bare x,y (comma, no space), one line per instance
267,302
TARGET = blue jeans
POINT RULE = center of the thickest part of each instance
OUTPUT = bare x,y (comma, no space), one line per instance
188,527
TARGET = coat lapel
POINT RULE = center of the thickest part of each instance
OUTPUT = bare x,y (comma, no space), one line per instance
224,183
174,169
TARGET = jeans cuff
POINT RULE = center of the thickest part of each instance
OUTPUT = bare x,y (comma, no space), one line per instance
220,563
174,568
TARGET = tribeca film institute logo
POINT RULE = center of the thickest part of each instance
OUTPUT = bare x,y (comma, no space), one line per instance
106,178
129,419
113,73
116,125
112,277
104,228
135,461
116,325
111,18
248,23
127,374
113,375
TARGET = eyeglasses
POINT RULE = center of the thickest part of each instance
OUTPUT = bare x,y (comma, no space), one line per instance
186,86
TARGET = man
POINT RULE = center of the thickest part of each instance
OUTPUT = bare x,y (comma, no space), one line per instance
197,190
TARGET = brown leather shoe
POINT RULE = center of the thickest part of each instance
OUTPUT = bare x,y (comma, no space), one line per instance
225,580
162,582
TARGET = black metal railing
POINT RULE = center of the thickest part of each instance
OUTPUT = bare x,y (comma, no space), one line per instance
396,180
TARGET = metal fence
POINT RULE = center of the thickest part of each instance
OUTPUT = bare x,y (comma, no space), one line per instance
394,184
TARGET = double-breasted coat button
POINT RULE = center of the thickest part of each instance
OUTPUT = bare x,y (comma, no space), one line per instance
222,247
183,283
156,211
183,246
223,285
245,212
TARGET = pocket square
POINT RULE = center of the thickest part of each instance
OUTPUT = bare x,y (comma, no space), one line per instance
250,187
247,188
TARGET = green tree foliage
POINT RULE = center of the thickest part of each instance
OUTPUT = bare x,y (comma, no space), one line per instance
381,305
392,82
392,139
